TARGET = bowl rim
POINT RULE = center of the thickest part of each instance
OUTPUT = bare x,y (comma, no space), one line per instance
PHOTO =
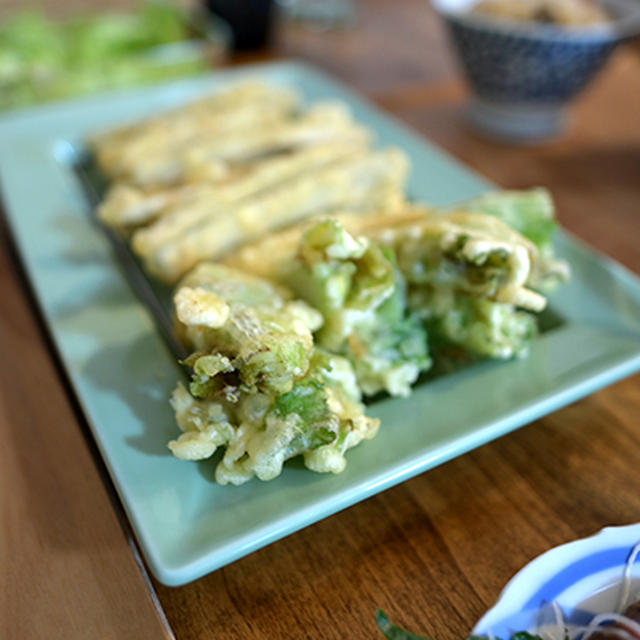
526,592
625,26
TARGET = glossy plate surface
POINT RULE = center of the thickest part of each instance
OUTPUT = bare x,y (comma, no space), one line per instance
583,578
123,373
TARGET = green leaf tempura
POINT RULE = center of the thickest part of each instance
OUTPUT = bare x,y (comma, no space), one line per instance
529,212
361,294
480,326
319,418
260,388
248,334
532,213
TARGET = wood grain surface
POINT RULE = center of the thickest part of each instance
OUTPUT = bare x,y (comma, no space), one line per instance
433,552
67,569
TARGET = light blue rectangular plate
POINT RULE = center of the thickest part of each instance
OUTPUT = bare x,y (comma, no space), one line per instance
123,373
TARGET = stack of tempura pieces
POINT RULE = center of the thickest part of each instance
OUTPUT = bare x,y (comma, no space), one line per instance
305,278
197,181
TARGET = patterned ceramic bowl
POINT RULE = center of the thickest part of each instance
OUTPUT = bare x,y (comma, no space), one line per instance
564,588
524,74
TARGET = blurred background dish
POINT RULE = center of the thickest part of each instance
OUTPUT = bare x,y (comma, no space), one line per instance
42,59
524,70
320,15
565,13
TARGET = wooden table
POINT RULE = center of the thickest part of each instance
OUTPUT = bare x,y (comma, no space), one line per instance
433,552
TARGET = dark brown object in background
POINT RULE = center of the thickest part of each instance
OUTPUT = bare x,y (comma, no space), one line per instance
434,552
250,21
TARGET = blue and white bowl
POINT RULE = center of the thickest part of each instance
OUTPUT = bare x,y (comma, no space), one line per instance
573,582
523,74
